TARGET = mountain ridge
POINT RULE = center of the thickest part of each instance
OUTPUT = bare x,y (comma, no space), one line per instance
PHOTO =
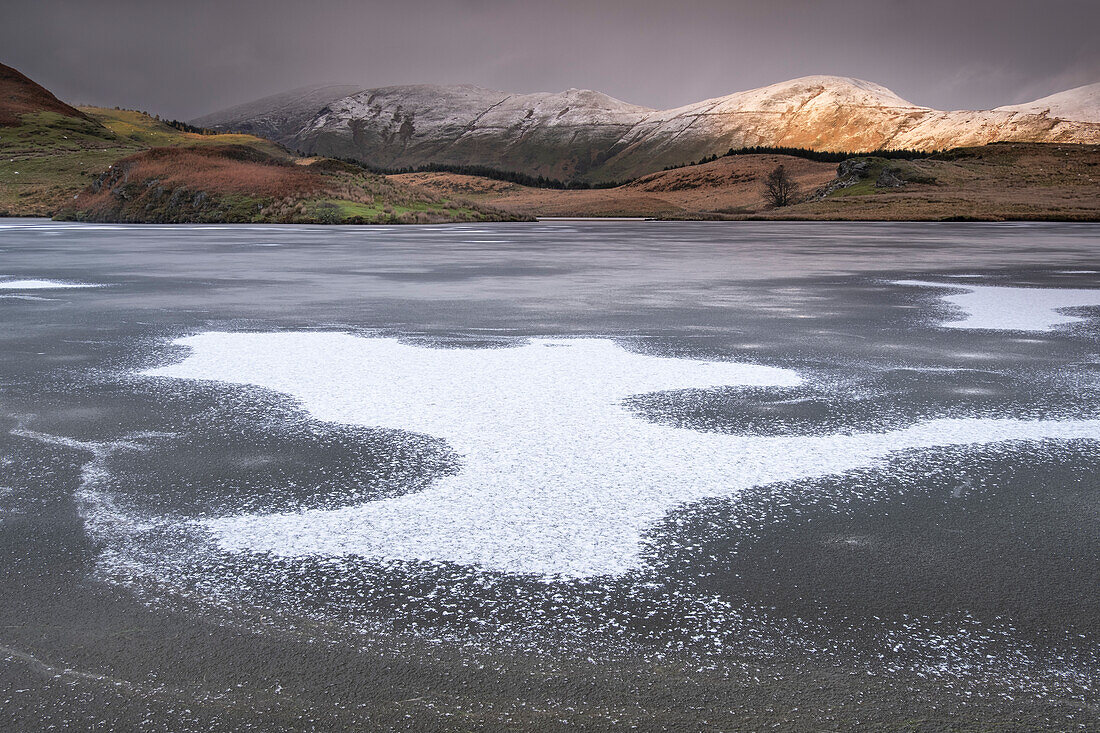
587,135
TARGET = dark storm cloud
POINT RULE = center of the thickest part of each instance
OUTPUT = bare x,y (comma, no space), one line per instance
185,58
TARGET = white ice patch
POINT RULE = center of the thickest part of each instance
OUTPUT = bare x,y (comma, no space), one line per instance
42,285
1011,309
557,478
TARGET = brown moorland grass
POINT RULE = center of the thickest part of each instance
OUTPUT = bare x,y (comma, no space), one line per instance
729,184
235,183
220,169
1000,181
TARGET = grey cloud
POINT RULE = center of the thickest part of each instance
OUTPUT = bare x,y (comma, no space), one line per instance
184,59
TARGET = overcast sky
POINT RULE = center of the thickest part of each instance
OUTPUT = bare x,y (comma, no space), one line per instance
188,57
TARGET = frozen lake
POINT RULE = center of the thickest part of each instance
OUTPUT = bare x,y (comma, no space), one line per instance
552,474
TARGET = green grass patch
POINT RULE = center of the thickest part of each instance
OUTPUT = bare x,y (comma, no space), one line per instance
141,129
45,133
50,158
339,211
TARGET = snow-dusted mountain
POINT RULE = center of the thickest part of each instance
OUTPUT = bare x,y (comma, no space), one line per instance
586,134
1081,104
560,134
279,116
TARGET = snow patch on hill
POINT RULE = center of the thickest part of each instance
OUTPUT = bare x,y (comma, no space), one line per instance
1081,104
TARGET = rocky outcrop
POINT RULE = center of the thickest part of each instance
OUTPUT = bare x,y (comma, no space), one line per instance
854,171
890,178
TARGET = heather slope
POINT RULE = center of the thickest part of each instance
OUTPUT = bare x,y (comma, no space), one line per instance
238,183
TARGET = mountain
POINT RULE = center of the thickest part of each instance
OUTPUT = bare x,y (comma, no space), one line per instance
562,135
1081,104
581,134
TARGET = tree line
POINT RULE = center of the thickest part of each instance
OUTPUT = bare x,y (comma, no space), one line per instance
495,174
821,156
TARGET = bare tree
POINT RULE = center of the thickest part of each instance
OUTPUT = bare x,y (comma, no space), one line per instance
779,188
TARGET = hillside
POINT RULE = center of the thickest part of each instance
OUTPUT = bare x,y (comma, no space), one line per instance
88,161
726,186
586,135
1002,181
49,150
49,158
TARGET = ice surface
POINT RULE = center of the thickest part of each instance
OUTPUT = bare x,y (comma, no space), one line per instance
557,477
42,285
1011,309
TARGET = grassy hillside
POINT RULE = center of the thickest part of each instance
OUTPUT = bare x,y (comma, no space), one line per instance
49,157
49,151
1002,181
144,131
